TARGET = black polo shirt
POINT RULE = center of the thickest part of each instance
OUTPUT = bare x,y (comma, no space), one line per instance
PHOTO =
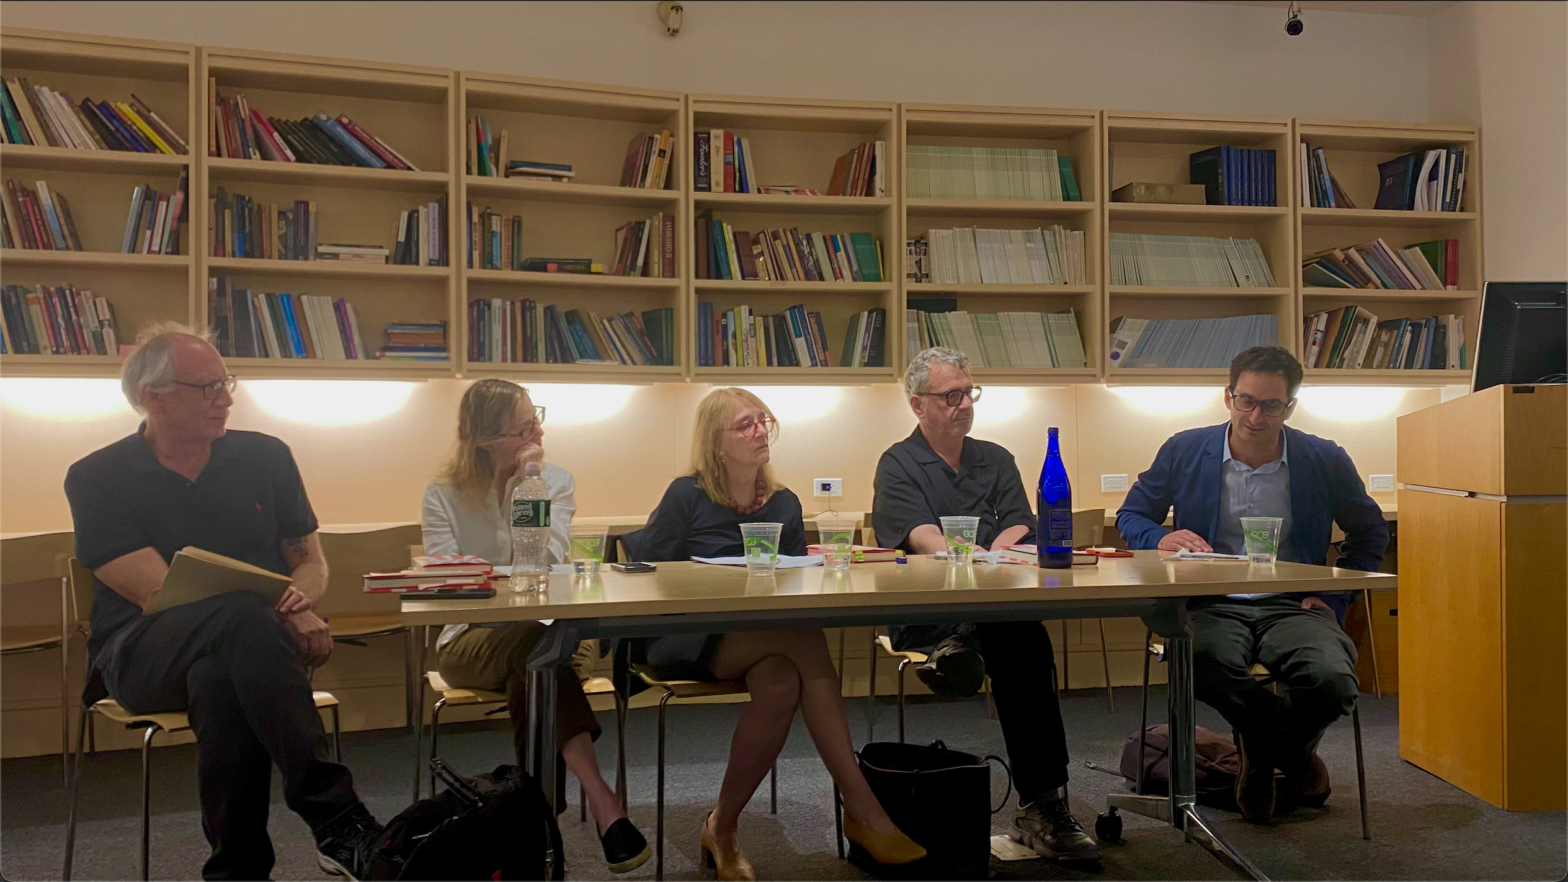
245,502
914,486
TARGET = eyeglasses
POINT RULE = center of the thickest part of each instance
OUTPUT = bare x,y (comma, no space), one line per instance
1247,404
751,428
528,430
209,391
955,397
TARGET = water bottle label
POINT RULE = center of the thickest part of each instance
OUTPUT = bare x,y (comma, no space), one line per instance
530,512
1059,528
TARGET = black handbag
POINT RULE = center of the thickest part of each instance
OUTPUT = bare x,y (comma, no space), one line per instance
940,798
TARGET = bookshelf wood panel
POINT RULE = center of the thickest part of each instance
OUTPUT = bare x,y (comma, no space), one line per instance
22,156
67,261
582,194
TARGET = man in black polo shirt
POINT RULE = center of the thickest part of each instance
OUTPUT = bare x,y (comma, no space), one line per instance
234,663
939,471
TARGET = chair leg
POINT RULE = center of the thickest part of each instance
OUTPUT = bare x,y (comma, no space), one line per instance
92,736
990,699
1361,774
419,702
408,678
838,821
620,749
871,692
76,787
1366,603
147,798
658,835
1105,659
1143,724
841,661
435,732
582,800
1067,663
65,707
904,663
773,790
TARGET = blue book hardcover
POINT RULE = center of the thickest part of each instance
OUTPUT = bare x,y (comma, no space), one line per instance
336,132
296,342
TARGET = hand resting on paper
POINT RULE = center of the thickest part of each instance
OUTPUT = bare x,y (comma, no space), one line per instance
293,602
1183,540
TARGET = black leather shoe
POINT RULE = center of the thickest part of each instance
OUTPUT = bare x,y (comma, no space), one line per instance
1048,827
954,668
348,845
1255,783
625,849
1308,786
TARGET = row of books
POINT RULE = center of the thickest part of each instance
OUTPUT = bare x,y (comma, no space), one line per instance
526,331
1427,180
421,235
1188,343
646,248
1002,339
239,226
722,162
967,255
861,172
40,116
486,151
740,337
38,221
239,131
1183,261
1424,266
1352,337
865,340
785,254
250,324
1319,187
647,164
1234,175
153,224
413,341
990,173
56,320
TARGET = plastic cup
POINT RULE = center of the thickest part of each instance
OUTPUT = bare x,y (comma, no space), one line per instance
585,548
836,537
762,546
1262,539
960,535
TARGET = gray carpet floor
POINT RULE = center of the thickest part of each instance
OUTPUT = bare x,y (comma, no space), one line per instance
1422,827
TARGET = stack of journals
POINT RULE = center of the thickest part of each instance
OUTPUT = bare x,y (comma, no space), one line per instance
153,225
532,170
1139,259
966,255
861,172
484,150
40,116
785,255
268,325
722,163
433,574
238,226
40,221
1424,266
56,321
1319,187
1428,180
741,338
1351,337
420,341
1188,343
495,241
238,131
525,331
865,340
1004,339
421,235
647,163
646,248
991,173
1234,175
352,253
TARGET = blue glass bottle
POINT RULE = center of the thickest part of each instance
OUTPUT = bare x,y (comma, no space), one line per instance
1054,536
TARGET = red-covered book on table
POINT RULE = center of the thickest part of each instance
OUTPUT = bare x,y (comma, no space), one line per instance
432,573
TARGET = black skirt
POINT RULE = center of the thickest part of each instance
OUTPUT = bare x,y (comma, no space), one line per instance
680,656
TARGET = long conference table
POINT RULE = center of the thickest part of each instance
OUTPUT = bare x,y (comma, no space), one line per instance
687,598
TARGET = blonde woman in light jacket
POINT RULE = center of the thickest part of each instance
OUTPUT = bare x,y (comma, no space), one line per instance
466,510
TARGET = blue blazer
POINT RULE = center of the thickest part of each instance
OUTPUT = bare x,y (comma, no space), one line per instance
1324,489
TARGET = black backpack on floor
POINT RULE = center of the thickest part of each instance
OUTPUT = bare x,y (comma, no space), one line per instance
493,827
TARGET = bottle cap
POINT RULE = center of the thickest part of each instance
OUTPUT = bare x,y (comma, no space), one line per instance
534,469
1052,430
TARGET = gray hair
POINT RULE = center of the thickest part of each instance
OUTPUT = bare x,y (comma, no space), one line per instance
917,375
150,366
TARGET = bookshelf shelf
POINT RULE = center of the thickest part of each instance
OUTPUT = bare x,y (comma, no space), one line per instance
1197,293
1309,293
325,268
804,376
1169,376
337,369
1023,376
931,289
304,173
576,194
20,156
773,203
1199,213
98,259
1026,208
1375,217
702,286
84,366
576,373
1369,377
583,281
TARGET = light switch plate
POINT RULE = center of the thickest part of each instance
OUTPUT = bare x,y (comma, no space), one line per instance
1113,483
827,486
1381,483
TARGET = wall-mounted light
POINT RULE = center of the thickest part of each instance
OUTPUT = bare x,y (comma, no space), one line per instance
1169,400
63,399
329,402
1350,404
1000,404
673,15
569,404
798,403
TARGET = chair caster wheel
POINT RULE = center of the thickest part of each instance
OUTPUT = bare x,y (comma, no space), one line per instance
1108,827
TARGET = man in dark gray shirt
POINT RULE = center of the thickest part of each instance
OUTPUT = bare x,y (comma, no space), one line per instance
939,471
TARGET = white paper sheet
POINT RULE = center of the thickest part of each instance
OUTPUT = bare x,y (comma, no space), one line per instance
1185,554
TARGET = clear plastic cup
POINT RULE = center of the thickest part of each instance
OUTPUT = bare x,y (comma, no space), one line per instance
960,535
585,548
762,546
1262,539
836,537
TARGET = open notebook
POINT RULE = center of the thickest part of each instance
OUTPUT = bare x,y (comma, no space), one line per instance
195,575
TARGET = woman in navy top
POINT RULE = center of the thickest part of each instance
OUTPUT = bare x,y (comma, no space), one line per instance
730,484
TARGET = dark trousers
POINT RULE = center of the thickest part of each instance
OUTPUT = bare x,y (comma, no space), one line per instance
1306,649
1021,664
229,663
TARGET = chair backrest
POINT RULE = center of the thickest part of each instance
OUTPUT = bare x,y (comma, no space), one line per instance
81,594
415,551
620,550
1088,527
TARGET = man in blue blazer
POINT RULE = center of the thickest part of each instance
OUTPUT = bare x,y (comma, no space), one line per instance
1256,466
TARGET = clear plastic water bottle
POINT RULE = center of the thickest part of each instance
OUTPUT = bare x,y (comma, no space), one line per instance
530,531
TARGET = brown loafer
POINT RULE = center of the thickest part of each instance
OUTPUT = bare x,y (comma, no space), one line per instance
1255,783
1309,785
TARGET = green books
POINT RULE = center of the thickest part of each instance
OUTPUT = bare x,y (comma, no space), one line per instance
1069,181
866,256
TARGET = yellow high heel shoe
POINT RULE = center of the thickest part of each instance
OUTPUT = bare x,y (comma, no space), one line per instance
729,867
887,850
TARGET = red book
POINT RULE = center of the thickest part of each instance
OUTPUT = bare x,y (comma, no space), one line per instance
374,145
729,162
267,133
1451,263
35,216
70,311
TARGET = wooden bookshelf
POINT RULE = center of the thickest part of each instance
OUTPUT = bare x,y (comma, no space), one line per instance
413,109
1156,148
1073,134
591,128
1353,150
99,185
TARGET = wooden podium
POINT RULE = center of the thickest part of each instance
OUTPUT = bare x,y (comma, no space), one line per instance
1483,645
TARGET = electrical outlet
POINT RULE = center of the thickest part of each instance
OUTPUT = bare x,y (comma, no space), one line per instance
1113,483
827,486
1381,483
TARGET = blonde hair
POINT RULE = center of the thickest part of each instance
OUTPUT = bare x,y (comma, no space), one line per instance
707,442
483,413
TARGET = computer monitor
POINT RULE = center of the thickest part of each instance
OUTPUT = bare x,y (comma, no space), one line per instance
1524,334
